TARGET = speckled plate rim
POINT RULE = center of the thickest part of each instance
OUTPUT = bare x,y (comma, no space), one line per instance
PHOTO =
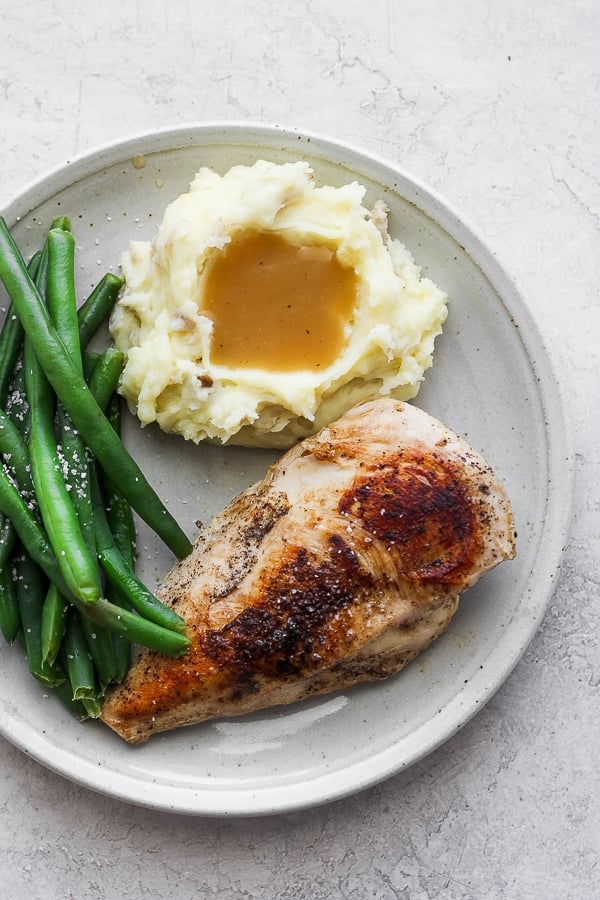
450,719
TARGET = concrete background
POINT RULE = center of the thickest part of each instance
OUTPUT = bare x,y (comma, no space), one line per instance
495,105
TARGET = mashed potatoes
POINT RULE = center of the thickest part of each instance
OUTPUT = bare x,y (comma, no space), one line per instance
266,305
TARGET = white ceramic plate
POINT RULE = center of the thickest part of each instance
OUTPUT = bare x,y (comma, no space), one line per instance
492,382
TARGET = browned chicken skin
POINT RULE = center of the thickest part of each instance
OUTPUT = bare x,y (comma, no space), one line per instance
339,567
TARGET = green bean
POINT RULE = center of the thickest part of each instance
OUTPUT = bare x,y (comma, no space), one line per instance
60,281
62,304
11,337
108,615
121,644
11,345
17,407
56,607
10,619
120,574
52,279
60,289
119,514
11,340
138,630
120,520
76,564
13,397
100,646
63,309
94,311
114,411
16,404
76,464
53,623
75,707
63,374
60,223
77,660
16,455
32,535
12,380
90,358
74,451
32,265
98,639
92,706
80,666
123,623
104,377
30,596
7,539
67,522
75,454
121,524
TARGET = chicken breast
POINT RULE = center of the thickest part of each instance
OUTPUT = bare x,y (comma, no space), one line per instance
339,567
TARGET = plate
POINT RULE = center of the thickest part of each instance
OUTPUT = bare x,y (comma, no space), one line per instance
492,382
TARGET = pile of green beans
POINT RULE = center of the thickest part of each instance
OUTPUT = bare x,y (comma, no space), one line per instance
69,594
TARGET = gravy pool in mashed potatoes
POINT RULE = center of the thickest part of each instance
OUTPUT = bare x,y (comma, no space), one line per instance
265,306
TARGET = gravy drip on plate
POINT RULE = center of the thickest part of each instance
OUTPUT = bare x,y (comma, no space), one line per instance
276,305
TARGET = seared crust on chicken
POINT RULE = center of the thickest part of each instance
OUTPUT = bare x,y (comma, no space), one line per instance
339,567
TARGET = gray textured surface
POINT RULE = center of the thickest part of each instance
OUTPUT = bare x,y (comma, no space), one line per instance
495,106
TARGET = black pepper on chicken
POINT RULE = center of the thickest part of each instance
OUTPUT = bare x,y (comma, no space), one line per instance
339,567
